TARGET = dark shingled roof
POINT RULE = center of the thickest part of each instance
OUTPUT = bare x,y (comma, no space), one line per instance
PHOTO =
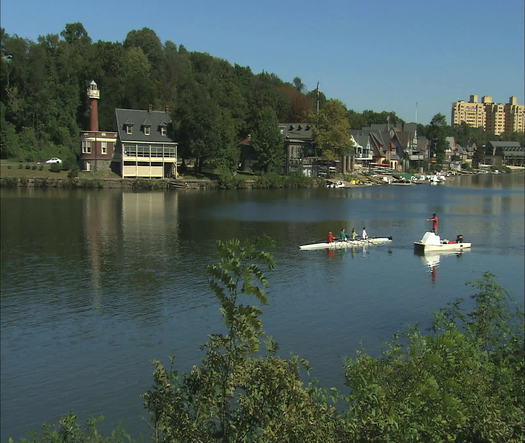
139,118
301,131
504,144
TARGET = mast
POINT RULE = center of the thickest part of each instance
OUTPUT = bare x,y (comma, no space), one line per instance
317,89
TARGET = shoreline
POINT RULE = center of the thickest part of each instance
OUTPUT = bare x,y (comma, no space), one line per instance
355,180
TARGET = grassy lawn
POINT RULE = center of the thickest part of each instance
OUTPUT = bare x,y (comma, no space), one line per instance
11,170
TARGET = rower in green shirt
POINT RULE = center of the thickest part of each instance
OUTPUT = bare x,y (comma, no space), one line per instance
342,235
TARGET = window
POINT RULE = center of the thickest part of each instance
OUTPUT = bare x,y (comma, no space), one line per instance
130,150
163,130
129,129
104,147
86,147
147,130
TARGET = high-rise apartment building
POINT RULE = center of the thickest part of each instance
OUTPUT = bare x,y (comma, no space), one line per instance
493,117
514,116
471,112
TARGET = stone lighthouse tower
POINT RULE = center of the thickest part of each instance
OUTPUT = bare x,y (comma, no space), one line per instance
94,96
97,147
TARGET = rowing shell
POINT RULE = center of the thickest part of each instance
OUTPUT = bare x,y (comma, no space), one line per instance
338,244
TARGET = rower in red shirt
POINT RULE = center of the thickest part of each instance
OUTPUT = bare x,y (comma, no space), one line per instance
330,237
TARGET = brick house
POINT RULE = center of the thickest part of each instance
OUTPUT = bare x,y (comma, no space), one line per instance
97,147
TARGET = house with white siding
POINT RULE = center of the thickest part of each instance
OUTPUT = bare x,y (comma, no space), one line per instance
146,147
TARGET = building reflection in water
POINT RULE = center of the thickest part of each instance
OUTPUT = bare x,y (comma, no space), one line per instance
119,226
102,230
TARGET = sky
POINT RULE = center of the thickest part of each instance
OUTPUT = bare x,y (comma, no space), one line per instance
412,57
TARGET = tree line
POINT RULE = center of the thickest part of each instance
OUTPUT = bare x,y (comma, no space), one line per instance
214,104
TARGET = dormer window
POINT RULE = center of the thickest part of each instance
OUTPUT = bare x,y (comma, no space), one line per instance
129,129
163,130
147,130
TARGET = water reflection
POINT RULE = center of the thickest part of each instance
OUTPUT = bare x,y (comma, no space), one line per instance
103,282
431,260
102,226
133,230
352,251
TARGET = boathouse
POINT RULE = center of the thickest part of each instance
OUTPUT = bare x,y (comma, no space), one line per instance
146,147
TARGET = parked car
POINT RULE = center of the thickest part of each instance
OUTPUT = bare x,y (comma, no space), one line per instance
54,160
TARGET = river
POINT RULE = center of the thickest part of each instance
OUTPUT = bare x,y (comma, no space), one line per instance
97,284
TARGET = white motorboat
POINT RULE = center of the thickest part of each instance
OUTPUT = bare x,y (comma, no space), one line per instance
340,244
433,242
335,184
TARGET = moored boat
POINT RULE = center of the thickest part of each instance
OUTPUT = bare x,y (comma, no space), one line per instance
433,242
341,244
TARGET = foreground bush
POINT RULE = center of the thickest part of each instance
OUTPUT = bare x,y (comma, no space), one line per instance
68,430
463,382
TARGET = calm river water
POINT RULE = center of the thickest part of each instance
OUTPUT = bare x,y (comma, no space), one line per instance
97,284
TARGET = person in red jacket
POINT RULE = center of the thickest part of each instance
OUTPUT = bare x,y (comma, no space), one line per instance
435,222
330,237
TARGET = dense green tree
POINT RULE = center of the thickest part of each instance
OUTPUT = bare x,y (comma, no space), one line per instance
332,132
267,142
140,90
460,383
228,152
512,136
198,121
437,132
360,120
75,33
466,135
147,40
298,84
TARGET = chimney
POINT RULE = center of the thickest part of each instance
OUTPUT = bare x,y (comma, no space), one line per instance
94,95
166,108
150,107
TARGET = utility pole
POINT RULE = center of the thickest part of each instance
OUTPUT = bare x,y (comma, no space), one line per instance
317,102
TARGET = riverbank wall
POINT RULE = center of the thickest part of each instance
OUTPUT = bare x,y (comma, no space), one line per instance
277,182
148,185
